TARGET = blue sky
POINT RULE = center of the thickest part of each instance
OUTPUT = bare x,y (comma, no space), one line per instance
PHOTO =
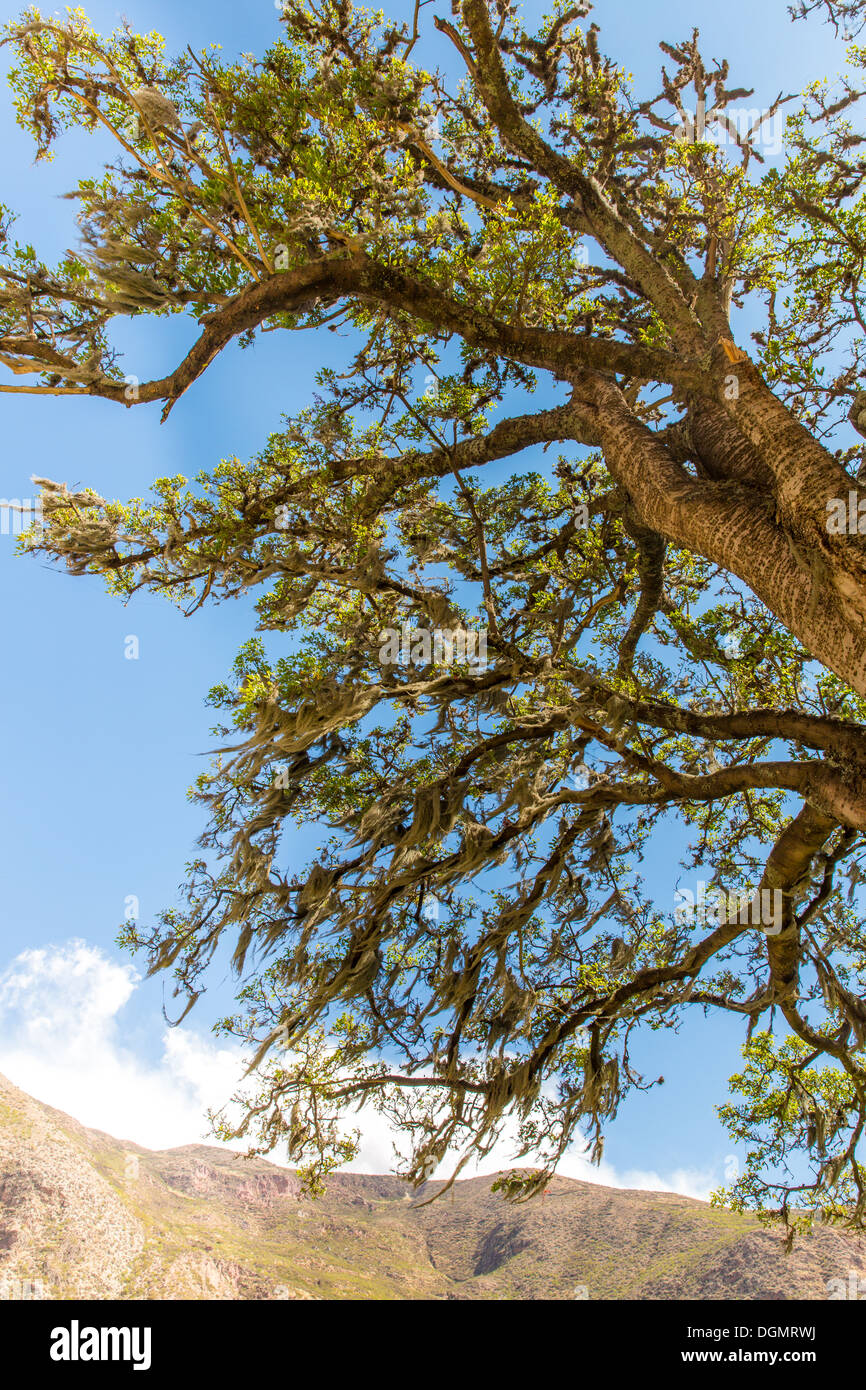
98,750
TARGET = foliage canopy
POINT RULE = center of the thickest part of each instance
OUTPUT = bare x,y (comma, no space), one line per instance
675,633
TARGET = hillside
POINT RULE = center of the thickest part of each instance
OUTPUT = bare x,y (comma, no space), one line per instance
93,1217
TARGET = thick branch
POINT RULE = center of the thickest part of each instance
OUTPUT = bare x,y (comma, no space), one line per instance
732,526
359,277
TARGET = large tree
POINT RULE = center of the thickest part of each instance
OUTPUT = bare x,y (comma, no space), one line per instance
674,599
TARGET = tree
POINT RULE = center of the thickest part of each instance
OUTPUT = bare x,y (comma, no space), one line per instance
673,610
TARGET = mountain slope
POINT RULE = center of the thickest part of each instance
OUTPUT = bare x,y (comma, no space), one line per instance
93,1217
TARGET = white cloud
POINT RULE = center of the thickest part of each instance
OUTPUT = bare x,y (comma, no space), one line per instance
61,1041
689,1182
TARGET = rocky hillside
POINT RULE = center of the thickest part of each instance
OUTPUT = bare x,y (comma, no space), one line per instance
88,1216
